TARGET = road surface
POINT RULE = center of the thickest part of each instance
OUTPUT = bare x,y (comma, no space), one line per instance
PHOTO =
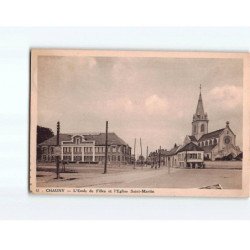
146,177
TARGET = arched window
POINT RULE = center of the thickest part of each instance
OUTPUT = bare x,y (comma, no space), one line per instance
202,127
206,143
210,142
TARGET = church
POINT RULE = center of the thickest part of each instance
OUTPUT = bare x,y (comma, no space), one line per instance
218,144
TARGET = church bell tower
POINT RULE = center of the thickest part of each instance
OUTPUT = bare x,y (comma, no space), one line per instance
200,120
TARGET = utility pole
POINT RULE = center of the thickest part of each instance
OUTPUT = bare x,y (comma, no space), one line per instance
155,159
159,157
152,159
147,157
134,153
141,151
57,144
186,159
168,165
106,148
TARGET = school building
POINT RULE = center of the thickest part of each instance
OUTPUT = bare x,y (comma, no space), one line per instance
86,148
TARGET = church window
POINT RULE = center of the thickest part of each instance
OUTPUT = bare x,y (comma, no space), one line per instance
202,127
227,139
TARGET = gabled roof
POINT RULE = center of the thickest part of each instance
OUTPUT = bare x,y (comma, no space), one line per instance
190,147
214,134
98,138
172,151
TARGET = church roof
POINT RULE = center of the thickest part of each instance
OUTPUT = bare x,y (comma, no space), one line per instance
213,134
98,138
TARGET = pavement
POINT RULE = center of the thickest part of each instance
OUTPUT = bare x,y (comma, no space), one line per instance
228,177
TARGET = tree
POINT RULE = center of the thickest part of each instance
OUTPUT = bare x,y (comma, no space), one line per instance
43,134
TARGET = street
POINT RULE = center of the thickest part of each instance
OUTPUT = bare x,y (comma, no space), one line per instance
229,176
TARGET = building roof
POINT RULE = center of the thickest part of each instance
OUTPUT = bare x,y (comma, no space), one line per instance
213,134
98,138
190,147
207,149
172,151
192,138
163,151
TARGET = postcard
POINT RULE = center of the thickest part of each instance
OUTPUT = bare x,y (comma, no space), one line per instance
139,123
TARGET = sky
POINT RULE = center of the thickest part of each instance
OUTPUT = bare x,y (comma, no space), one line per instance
149,98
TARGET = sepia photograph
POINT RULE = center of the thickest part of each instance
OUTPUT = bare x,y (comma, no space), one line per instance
138,123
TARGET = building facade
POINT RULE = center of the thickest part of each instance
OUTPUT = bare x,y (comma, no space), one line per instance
86,148
217,144
189,155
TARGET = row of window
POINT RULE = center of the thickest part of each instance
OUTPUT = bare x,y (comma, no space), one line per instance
89,158
183,156
194,156
86,149
208,142
76,150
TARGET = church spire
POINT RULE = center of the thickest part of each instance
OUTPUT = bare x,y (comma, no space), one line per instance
200,110
200,120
